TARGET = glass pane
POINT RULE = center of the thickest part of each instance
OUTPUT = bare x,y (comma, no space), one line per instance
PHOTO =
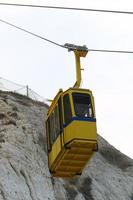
82,105
48,134
67,108
57,124
52,128
60,114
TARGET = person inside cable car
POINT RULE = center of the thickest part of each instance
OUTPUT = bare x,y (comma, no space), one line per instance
82,105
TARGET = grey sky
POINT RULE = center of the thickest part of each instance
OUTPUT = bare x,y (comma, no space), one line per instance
46,68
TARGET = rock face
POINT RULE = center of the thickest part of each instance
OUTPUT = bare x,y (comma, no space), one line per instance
24,173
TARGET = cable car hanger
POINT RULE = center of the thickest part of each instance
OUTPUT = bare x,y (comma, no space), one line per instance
79,51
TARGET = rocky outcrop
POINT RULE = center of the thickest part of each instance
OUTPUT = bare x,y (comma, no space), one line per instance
24,173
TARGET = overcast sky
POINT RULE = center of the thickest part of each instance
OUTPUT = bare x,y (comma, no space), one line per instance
45,68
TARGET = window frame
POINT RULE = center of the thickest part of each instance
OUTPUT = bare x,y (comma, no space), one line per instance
52,130
70,114
91,104
48,135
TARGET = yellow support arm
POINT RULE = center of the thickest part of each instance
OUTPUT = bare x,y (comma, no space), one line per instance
79,51
78,70
78,54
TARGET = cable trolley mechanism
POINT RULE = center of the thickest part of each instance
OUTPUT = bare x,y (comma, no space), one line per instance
71,125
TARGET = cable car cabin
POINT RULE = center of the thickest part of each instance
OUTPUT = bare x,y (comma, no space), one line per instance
71,132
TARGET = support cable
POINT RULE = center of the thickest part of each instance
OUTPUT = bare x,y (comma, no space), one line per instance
66,45
68,8
110,51
31,33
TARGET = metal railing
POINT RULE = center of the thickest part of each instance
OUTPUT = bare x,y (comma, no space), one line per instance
6,85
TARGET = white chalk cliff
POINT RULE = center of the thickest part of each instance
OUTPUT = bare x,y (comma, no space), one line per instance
24,173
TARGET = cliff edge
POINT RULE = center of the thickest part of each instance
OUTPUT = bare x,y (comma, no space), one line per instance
24,173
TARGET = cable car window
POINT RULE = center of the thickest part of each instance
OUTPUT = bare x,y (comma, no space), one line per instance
60,114
82,105
67,109
52,134
48,134
56,121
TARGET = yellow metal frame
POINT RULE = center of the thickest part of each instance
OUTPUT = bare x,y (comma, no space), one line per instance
78,54
71,90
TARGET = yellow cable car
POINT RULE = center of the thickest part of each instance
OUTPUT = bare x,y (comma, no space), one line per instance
71,126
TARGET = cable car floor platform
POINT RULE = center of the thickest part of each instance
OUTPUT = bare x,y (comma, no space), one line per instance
73,158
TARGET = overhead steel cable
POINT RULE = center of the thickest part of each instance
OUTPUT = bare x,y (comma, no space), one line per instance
64,46
68,8
110,51
31,33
